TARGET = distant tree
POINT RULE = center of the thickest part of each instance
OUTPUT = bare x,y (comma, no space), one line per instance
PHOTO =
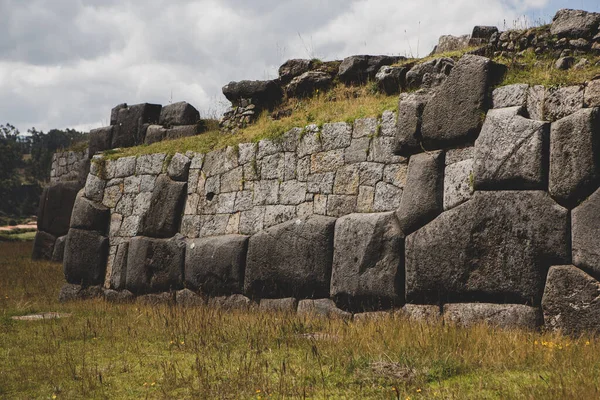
43,145
10,152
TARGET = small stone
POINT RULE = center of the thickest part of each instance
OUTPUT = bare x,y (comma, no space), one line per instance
287,305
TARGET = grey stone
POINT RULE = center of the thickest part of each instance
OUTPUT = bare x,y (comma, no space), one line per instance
213,225
85,257
290,165
155,265
89,215
130,226
510,152
261,93
243,200
369,316
118,297
187,298
497,246
564,63
326,161
147,183
276,214
507,316
368,261
233,302
408,129
117,278
292,192
359,69
272,167
365,127
59,249
156,299
454,114
150,164
220,161
382,150
252,221
190,226
155,134
320,204
458,183
448,43
179,167
459,154
56,204
310,141
247,152
575,156
308,83
390,80
120,168
292,259
321,308
216,265
180,113
130,121
387,197
575,23
438,68
293,68
94,188
347,180
266,192
510,96
422,312
395,174
43,246
197,160
268,147
571,301
422,199
536,97
591,95
357,151
178,132
561,102
100,139
338,205
287,305
141,203
166,206
70,292
232,181
321,183
114,113
370,173
585,221
336,135
303,169
212,185
131,184
365,199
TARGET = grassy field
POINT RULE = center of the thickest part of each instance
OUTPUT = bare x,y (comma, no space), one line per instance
132,351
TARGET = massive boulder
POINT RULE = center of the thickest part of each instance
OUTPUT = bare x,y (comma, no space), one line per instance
293,68
575,156
368,261
100,140
455,113
89,215
132,122
180,113
215,265
423,196
448,43
585,227
562,101
408,124
264,94
496,247
571,301
360,69
166,206
481,35
292,259
391,80
511,96
575,24
155,265
308,83
114,113
85,257
430,73
56,205
511,151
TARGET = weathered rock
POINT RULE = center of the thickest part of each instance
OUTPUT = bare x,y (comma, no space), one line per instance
508,316
187,298
308,83
591,96
359,69
575,23
100,140
421,312
321,308
43,246
70,292
455,113
233,302
575,156
178,132
458,183
371,316
585,223
155,265
215,265
117,278
85,257
429,73
536,97
367,262
292,259
154,134
129,130
564,63
287,305
156,299
180,113
496,247
179,167
484,33
166,207
59,249
510,152
510,96
408,125
563,101
56,205
261,93
89,215
448,43
571,301
118,296
114,113
390,80
293,68
422,199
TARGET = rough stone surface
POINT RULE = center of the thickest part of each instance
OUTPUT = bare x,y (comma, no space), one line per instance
293,68
429,73
261,93
154,134
56,205
130,121
391,79
117,279
43,246
166,206
367,261
508,316
454,113
287,305
215,265
448,43
85,257
510,152
575,23
408,130
359,69
591,96
422,199
59,249
510,96
89,215
308,83
561,102
187,298
575,156
118,296
422,312
100,139
585,227
321,307
292,259
155,299
180,113
155,265
458,183
233,302
179,167
70,292
496,247
536,96
571,301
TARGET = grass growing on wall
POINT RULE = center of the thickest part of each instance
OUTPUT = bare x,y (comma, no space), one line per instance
134,351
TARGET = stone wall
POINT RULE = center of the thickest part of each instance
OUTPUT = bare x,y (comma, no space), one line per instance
69,166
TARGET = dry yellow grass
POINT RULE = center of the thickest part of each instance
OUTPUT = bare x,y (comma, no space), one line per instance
133,351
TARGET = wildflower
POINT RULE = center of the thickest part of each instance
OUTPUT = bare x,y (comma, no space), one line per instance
535,342
145,384
53,396
587,342
153,384
257,390
419,390
182,342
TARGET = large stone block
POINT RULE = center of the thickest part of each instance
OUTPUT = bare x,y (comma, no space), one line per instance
508,316
571,301
85,257
100,139
510,96
511,152
155,265
292,259
215,265
575,156
117,279
408,128
59,249
368,261
455,113
430,73
261,93
43,246
563,101
180,113
575,23
458,183
422,199
89,215
496,248
56,206
585,228
129,129
166,206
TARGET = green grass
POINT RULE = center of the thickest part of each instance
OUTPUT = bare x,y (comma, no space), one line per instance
133,351
16,235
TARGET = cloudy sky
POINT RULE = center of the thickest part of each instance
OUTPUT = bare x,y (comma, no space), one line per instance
66,63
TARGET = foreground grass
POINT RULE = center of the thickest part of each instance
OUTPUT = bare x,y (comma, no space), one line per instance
133,351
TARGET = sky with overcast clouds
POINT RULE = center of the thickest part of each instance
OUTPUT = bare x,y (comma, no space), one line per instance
66,63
